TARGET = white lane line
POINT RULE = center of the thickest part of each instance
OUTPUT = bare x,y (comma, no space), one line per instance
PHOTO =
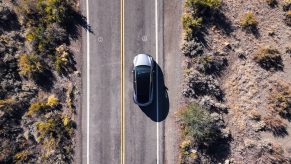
88,81
157,60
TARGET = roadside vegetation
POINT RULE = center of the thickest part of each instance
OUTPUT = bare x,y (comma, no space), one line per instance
39,80
249,22
269,58
233,84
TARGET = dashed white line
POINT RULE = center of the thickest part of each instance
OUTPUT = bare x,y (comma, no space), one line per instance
88,81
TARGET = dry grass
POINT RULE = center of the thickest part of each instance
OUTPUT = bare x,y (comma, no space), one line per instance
255,115
269,58
276,125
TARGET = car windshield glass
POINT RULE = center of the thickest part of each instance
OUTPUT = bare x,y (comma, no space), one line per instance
143,83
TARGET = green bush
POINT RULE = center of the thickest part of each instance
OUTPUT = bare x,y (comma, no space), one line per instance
269,59
30,65
197,124
248,21
202,4
45,40
191,25
45,12
192,48
211,64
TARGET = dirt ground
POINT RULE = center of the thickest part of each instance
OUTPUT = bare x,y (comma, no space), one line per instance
247,86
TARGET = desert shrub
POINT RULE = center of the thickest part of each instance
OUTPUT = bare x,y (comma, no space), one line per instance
52,101
288,18
211,64
55,137
45,40
6,14
272,3
192,48
269,59
22,156
287,5
5,102
201,85
281,102
187,153
62,59
36,108
276,125
271,152
30,65
191,25
200,5
45,12
248,21
197,124
70,96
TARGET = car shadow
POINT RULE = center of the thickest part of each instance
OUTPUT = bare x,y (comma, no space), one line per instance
158,110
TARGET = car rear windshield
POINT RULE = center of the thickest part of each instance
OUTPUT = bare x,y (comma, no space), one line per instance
143,83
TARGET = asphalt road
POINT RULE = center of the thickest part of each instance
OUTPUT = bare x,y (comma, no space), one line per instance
101,118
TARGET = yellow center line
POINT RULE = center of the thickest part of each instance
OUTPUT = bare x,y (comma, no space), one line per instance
122,105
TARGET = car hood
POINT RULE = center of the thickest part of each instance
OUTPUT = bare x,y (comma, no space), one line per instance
142,59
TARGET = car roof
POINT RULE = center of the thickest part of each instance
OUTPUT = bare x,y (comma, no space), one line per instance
143,83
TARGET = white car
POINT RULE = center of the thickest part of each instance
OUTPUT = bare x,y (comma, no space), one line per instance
143,68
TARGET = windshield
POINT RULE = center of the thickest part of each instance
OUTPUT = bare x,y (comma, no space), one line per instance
143,79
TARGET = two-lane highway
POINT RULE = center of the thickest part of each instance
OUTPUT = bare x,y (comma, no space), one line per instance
114,129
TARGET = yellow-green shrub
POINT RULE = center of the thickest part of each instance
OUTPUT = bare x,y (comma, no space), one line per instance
52,101
248,20
29,65
22,156
62,58
36,108
45,128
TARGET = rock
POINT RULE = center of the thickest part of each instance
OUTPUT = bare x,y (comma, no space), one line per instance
215,116
288,50
227,47
26,134
231,160
271,33
1,113
249,143
241,54
225,133
261,125
78,73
